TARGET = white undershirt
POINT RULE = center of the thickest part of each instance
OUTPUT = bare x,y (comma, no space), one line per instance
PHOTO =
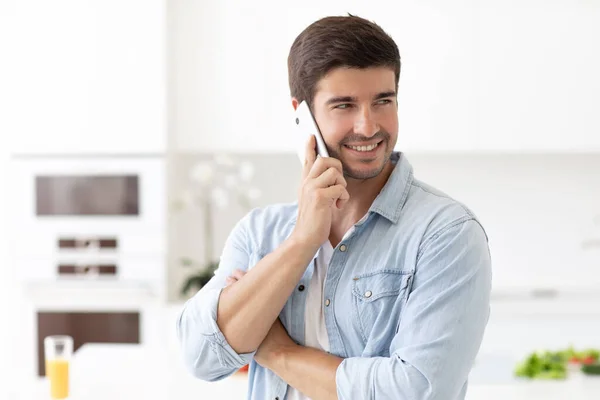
315,332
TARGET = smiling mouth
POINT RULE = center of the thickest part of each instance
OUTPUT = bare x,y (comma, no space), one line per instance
366,148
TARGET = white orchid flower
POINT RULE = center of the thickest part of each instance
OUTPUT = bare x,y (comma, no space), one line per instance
246,171
254,193
220,197
230,181
203,173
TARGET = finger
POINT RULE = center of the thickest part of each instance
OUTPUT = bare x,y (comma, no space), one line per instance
322,164
329,178
333,193
310,155
238,274
229,280
342,200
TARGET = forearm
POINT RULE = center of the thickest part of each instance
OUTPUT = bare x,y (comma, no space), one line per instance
248,308
308,370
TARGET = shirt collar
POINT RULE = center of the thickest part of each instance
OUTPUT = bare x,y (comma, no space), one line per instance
393,195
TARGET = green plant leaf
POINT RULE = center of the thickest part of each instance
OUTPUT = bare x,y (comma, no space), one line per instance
198,279
186,261
191,282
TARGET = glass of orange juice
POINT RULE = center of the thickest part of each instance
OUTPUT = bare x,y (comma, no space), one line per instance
58,351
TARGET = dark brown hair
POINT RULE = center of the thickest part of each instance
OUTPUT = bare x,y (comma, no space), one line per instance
340,41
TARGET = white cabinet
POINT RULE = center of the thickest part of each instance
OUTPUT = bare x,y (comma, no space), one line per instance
437,92
229,79
538,82
476,75
88,77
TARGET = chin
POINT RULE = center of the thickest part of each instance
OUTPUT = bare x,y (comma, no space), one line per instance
363,165
362,172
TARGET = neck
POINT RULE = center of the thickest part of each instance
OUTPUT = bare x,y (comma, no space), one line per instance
362,194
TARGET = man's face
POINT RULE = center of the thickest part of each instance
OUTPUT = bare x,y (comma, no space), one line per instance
357,113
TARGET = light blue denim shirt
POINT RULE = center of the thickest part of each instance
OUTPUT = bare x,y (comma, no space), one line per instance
407,297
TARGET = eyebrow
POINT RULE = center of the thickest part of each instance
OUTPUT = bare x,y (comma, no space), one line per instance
350,99
383,95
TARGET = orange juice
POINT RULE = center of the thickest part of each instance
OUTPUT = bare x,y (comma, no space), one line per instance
57,372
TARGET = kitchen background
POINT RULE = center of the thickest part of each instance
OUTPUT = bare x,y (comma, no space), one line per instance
188,102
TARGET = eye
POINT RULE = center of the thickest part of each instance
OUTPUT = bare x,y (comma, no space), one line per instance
384,101
343,106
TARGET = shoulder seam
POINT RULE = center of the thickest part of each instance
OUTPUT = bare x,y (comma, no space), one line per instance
445,196
427,242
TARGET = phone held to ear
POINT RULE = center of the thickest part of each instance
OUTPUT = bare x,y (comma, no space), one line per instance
307,126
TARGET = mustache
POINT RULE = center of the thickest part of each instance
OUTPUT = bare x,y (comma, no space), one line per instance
354,137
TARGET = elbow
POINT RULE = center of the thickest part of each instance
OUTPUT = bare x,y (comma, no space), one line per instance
432,386
208,373
204,355
436,388
391,378
199,352
442,393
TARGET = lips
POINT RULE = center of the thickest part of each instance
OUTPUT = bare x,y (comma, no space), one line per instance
364,150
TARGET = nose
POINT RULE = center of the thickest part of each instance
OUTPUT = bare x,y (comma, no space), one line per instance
365,124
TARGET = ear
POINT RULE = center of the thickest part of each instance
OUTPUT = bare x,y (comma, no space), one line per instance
295,103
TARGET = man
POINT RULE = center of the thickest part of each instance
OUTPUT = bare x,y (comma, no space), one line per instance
373,285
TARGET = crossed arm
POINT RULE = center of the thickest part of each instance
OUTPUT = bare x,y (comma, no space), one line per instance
439,336
309,370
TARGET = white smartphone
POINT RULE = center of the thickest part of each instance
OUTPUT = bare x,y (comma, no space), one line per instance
307,126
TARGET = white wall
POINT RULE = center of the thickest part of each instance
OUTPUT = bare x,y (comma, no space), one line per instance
91,76
6,284
7,289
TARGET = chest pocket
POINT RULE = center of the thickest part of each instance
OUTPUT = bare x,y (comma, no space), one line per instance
378,298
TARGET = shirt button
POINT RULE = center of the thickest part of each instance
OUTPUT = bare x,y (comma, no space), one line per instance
327,303
368,293
301,287
343,248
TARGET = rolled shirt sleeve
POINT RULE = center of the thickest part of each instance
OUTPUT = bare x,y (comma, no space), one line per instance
206,352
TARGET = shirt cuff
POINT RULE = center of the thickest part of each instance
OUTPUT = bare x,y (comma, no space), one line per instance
207,314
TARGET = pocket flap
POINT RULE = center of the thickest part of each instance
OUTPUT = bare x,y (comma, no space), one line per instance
374,285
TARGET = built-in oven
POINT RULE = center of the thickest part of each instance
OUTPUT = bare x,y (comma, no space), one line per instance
89,218
88,245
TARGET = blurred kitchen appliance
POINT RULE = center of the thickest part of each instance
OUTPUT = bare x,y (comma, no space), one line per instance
92,218
89,248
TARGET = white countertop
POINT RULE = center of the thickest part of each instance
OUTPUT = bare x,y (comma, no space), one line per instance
115,371
130,371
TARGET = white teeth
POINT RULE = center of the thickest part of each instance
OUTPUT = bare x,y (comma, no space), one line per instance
364,148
